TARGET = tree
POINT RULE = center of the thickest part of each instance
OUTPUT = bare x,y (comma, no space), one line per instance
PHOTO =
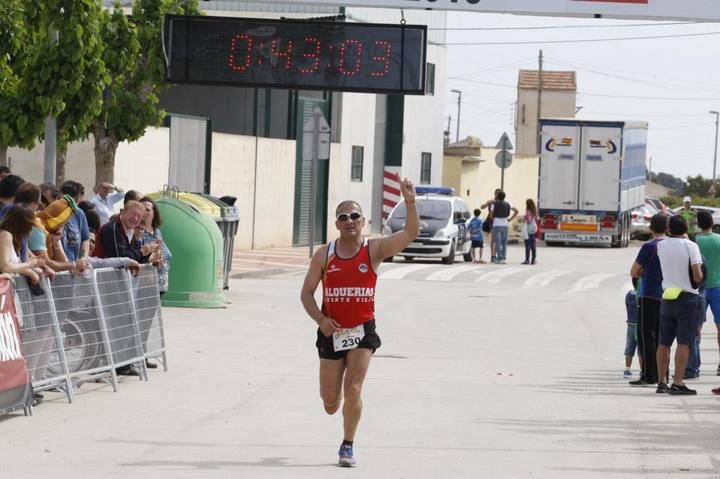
135,62
22,111
80,41
697,185
677,185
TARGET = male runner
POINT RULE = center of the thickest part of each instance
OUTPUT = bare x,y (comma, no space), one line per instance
346,337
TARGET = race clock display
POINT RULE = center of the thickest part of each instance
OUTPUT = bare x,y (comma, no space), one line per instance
373,58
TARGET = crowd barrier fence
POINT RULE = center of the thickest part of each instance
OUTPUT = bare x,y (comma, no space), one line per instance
83,327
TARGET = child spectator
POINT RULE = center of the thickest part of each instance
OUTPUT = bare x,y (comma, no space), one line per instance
476,236
631,308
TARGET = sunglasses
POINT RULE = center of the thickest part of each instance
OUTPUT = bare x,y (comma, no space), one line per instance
353,216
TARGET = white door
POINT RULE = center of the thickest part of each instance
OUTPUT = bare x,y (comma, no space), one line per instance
559,164
600,168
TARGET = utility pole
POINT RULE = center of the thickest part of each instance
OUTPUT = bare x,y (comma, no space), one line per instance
457,134
717,116
539,103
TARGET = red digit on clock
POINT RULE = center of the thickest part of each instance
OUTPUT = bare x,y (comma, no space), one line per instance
241,42
283,55
383,54
343,64
312,51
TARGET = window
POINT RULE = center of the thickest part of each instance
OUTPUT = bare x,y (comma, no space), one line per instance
430,79
356,168
425,168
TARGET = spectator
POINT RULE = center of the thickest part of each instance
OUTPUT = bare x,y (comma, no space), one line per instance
530,229
151,236
709,244
117,238
646,269
476,236
680,303
631,309
46,237
105,201
91,214
76,234
37,340
500,210
49,193
8,188
28,193
132,195
487,224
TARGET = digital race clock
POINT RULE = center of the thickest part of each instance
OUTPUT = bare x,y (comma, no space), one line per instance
373,58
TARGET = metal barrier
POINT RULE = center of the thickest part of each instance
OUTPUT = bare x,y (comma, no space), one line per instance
83,327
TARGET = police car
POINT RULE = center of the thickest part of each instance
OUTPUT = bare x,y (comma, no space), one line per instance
443,231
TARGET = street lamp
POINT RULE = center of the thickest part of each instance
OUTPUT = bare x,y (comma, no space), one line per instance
717,116
457,134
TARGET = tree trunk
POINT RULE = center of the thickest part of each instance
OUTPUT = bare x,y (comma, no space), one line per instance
60,161
105,149
3,155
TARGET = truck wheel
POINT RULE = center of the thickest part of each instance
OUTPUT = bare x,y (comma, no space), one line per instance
468,257
408,259
450,259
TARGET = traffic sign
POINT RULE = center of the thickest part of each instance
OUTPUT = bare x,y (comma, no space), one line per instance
503,159
504,143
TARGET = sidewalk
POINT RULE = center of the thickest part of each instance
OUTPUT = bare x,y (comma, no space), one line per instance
268,262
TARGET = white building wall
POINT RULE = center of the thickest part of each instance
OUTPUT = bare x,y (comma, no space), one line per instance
358,120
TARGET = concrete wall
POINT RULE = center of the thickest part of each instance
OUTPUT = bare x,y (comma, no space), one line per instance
478,179
233,173
555,104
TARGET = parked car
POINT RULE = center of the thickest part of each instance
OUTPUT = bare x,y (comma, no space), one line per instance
640,222
443,231
715,212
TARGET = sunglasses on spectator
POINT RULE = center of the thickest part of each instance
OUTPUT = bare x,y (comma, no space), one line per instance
353,216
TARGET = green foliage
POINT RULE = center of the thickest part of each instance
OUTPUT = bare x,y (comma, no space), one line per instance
135,61
673,201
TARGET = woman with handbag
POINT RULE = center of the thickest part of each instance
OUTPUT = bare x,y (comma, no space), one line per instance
529,231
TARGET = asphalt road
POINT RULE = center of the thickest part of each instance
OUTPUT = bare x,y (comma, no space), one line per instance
497,371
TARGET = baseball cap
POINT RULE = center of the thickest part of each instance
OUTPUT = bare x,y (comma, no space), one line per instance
687,199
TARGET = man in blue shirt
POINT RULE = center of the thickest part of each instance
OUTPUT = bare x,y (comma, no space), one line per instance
476,236
647,267
76,234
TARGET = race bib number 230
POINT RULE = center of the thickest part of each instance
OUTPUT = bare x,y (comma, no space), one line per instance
344,339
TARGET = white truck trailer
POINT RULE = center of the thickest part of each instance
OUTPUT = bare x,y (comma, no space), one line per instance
592,174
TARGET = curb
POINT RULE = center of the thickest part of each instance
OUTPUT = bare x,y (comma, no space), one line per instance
262,273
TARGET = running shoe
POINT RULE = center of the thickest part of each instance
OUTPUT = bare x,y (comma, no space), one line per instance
627,373
715,390
662,388
681,390
718,370
346,458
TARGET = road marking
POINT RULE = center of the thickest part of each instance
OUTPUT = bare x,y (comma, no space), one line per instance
494,277
541,280
591,282
447,274
402,271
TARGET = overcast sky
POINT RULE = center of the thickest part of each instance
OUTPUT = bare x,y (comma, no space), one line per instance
671,83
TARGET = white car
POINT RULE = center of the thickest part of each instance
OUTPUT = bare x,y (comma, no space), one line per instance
715,212
640,222
443,231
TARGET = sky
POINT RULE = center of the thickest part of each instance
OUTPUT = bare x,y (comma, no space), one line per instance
670,83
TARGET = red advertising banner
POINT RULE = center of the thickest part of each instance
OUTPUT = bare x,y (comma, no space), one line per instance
15,390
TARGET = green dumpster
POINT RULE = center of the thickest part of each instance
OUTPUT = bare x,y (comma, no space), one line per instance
196,272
